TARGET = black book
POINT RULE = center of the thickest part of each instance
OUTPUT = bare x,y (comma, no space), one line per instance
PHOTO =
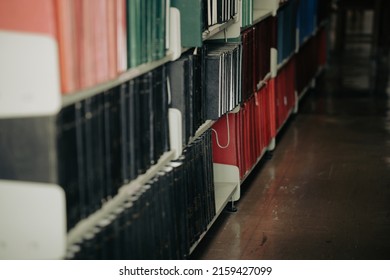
127,231
160,109
145,141
221,81
136,227
107,191
131,130
181,203
198,99
89,150
155,229
165,145
178,79
213,87
67,163
124,131
115,141
100,152
151,113
81,160
94,137
220,11
171,215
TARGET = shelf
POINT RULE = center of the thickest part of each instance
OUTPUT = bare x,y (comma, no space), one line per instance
285,61
254,165
260,14
285,121
303,92
202,129
311,84
263,81
272,5
87,225
223,193
314,33
122,78
215,29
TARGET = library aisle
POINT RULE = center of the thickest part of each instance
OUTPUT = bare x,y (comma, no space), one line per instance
325,193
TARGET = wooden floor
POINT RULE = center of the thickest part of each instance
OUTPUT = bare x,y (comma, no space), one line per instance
325,193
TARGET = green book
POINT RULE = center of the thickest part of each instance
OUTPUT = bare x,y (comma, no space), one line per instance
134,32
191,22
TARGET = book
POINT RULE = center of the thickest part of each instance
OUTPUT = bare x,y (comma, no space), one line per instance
222,65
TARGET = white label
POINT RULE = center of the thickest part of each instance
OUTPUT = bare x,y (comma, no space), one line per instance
33,220
29,75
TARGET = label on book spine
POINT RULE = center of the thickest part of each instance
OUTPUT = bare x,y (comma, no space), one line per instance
33,220
29,75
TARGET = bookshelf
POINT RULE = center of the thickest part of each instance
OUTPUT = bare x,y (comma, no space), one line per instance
284,72
260,14
189,34
130,74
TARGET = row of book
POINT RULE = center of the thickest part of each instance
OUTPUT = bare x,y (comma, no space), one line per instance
311,13
223,74
286,30
186,78
241,138
197,17
92,41
285,92
257,42
219,11
97,40
109,139
146,23
306,18
309,58
163,218
246,13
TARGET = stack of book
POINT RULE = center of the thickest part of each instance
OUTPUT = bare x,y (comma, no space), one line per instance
198,16
285,92
286,30
256,51
109,139
186,87
240,139
223,64
162,219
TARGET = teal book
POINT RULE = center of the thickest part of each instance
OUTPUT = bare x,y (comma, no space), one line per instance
191,21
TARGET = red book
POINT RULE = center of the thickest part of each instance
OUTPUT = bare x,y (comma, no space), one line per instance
225,144
66,30
247,143
101,40
86,41
28,16
121,36
111,38
322,47
272,113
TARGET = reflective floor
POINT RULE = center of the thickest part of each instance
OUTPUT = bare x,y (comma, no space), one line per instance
325,193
